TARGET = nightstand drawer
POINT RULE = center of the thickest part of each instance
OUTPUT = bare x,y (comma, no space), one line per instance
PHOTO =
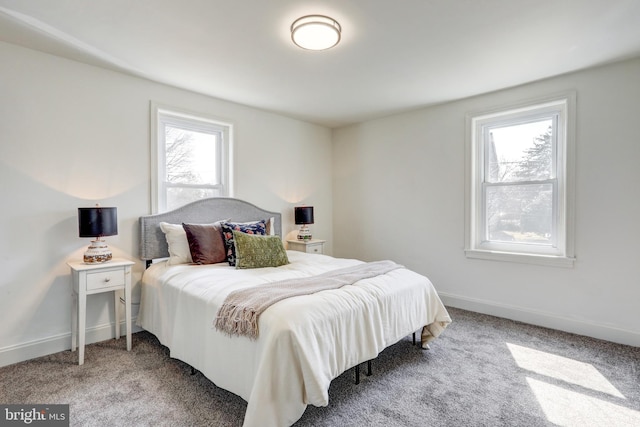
105,279
314,248
309,246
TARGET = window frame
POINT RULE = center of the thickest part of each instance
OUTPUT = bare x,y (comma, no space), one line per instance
161,115
561,252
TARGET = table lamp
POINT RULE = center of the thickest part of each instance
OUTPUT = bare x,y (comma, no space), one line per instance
304,216
97,222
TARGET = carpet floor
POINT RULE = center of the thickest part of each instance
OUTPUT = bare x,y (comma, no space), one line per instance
482,371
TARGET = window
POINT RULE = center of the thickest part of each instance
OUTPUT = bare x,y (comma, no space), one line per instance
191,158
519,193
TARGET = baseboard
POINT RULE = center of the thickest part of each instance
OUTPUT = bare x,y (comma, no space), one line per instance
540,318
54,344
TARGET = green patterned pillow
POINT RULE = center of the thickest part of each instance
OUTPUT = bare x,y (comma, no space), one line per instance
257,251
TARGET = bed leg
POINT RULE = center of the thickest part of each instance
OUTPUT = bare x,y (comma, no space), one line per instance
414,338
193,370
357,369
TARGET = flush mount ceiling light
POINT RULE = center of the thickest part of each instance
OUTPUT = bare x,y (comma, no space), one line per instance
315,32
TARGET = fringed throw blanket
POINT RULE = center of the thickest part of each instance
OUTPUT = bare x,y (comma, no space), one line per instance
240,311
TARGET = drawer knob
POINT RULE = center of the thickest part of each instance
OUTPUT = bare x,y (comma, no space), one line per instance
107,279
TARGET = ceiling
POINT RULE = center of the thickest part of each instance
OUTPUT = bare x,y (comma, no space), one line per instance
394,55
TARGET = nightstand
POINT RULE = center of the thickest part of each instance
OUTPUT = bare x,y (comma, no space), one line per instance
88,279
309,246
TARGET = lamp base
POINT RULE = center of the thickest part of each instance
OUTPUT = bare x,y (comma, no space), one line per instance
97,253
304,233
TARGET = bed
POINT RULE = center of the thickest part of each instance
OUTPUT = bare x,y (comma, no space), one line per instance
303,343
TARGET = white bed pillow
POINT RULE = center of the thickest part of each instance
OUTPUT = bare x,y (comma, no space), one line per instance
272,227
179,252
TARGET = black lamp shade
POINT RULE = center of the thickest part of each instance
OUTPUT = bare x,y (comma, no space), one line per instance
97,222
304,214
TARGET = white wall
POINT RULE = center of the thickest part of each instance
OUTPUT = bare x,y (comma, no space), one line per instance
73,135
399,193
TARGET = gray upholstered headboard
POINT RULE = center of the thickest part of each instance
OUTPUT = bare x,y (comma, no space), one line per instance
153,244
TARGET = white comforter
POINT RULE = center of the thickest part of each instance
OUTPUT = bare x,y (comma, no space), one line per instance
304,342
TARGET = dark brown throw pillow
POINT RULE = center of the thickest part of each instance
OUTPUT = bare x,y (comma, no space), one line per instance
206,243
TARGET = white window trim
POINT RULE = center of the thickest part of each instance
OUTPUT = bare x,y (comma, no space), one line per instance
157,110
563,255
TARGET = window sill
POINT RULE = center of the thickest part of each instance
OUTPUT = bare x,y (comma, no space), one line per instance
547,260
